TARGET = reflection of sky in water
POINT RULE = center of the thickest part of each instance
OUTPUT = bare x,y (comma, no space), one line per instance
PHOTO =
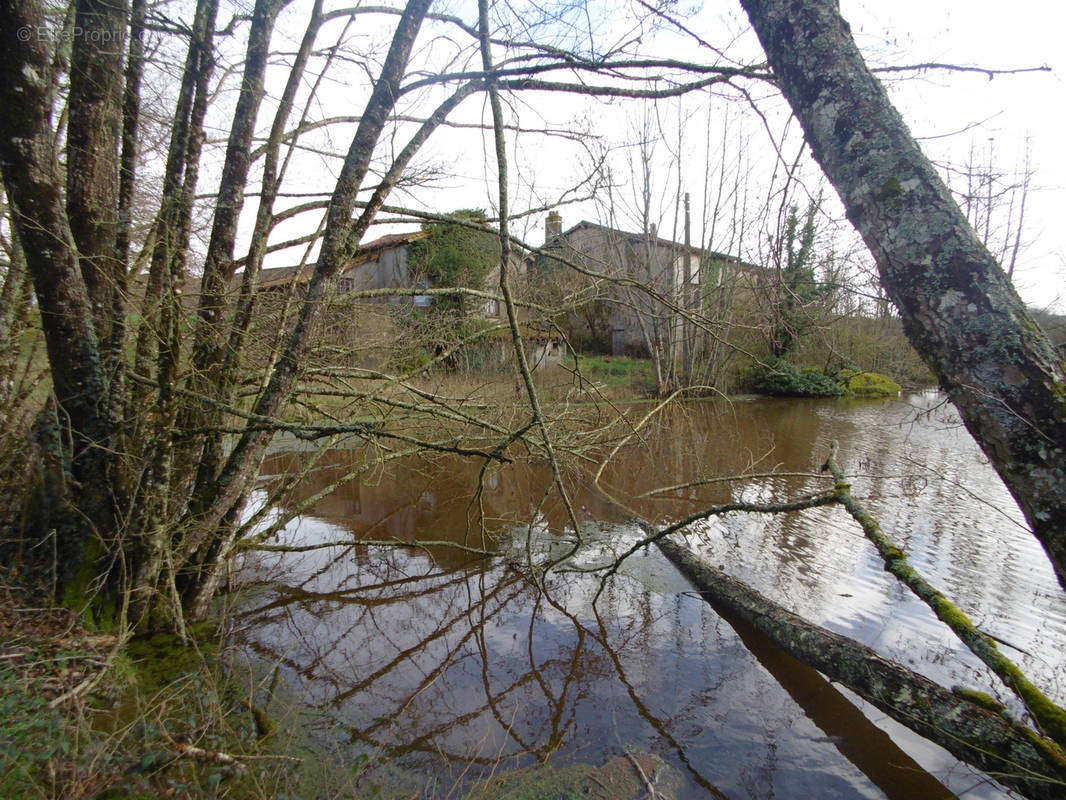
467,670
437,665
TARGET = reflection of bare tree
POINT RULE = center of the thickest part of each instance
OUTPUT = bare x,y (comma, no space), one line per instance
289,596
562,712
534,693
372,610
471,504
448,665
660,726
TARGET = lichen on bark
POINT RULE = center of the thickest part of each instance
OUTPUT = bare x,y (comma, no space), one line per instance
958,307
1016,755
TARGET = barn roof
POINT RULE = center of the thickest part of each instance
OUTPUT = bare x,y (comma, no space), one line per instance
367,251
641,239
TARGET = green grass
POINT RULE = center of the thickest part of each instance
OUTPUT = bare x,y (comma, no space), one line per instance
617,371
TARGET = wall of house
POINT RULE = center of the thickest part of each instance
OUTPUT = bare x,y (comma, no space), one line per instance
387,271
633,313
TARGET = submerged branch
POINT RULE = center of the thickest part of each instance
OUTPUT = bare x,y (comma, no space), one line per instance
1049,717
653,535
744,476
1009,751
418,544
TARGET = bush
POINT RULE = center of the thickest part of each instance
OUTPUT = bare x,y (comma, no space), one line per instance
782,379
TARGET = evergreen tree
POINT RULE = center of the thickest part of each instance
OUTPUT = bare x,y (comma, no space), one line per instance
798,290
457,252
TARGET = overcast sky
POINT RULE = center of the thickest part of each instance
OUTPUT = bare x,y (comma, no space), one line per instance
1007,109
950,113
953,112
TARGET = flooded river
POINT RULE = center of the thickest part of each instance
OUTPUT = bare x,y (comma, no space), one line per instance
427,669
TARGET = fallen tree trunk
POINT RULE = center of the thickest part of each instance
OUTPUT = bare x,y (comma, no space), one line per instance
1012,753
871,749
1048,717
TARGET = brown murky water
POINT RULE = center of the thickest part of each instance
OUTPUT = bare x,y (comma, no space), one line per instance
448,667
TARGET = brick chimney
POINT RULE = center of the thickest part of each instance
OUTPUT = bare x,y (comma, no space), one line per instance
553,226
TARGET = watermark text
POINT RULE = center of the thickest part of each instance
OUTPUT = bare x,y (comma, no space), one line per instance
44,33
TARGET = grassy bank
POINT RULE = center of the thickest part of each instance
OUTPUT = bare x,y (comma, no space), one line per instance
156,718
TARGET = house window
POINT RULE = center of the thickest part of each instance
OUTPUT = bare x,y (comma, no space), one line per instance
422,300
345,285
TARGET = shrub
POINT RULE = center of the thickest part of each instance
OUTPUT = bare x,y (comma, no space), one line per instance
782,379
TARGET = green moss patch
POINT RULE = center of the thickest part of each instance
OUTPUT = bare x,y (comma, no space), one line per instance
868,384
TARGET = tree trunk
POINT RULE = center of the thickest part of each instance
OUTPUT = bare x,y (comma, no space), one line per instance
93,136
959,309
209,348
340,237
1016,755
32,181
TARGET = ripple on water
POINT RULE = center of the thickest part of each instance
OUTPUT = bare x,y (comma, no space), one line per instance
445,665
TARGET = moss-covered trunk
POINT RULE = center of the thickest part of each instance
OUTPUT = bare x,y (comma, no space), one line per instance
33,182
958,307
1016,755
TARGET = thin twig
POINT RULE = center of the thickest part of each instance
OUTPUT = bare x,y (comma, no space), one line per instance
236,761
653,795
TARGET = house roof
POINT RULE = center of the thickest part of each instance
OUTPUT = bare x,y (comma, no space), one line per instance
635,237
368,251
642,238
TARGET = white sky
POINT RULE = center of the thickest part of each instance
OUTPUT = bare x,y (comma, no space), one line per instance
1009,108
997,35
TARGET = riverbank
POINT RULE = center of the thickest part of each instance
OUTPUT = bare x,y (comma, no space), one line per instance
86,719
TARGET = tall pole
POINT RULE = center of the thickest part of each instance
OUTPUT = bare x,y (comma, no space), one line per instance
686,297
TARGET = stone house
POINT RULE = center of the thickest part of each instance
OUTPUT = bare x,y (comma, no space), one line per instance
623,319
379,280
376,267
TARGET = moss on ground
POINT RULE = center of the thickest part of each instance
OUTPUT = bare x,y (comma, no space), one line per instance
869,384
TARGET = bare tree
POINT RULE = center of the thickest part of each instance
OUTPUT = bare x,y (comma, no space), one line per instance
159,452
153,440
994,200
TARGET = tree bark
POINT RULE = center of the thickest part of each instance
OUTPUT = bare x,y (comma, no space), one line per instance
127,175
1015,755
32,181
340,237
959,309
93,136
153,514
209,347
183,154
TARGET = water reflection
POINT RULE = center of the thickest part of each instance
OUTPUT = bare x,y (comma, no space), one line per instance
449,667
